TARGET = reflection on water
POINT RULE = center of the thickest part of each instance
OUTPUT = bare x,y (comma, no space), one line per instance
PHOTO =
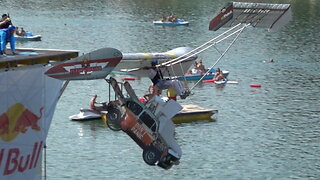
270,132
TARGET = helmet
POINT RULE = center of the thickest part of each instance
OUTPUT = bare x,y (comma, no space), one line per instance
154,62
11,28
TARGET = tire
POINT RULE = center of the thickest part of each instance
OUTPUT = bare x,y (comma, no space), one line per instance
165,165
113,127
151,155
114,118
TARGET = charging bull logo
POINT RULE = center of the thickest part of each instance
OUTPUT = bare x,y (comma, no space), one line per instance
16,120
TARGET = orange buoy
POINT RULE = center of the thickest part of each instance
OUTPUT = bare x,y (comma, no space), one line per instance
255,85
128,79
208,81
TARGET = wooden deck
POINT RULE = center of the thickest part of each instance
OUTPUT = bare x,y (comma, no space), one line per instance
30,56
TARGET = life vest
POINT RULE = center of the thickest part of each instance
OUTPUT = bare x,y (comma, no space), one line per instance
172,94
155,76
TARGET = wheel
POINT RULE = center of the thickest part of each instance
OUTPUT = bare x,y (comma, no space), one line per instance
165,165
113,127
151,155
114,118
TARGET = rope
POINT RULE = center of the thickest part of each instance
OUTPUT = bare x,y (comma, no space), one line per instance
182,58
233,41
198,50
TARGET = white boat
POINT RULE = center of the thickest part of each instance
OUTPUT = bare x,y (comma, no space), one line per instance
28,37
85,115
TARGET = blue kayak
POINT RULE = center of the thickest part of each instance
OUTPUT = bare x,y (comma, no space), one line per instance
179,22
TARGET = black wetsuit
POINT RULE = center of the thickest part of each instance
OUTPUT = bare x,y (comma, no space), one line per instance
6,25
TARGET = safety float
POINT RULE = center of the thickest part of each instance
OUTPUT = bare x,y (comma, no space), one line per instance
255,85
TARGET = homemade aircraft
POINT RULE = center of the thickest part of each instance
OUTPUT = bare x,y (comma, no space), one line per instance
150,125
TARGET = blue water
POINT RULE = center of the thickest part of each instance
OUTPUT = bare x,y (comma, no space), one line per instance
270,132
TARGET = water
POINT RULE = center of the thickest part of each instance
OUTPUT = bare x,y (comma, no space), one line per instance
270,132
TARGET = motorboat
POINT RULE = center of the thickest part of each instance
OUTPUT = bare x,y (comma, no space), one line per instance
193,113
28,37
85,115
189,113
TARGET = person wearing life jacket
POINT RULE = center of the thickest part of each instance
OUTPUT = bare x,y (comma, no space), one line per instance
7,35
156,77
5,21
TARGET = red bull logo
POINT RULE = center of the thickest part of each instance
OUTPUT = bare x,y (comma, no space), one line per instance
15,159
86,68
17,120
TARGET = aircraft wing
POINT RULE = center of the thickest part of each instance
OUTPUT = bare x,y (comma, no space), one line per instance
168,70
94,65
263,15
178,66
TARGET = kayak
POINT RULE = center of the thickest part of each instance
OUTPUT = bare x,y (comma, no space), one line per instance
179,22
222,82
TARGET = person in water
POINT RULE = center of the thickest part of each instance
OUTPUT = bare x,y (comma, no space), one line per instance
7,35
156,77
219,75
93,103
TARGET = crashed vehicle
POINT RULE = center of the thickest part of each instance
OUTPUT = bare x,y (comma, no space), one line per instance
149,125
